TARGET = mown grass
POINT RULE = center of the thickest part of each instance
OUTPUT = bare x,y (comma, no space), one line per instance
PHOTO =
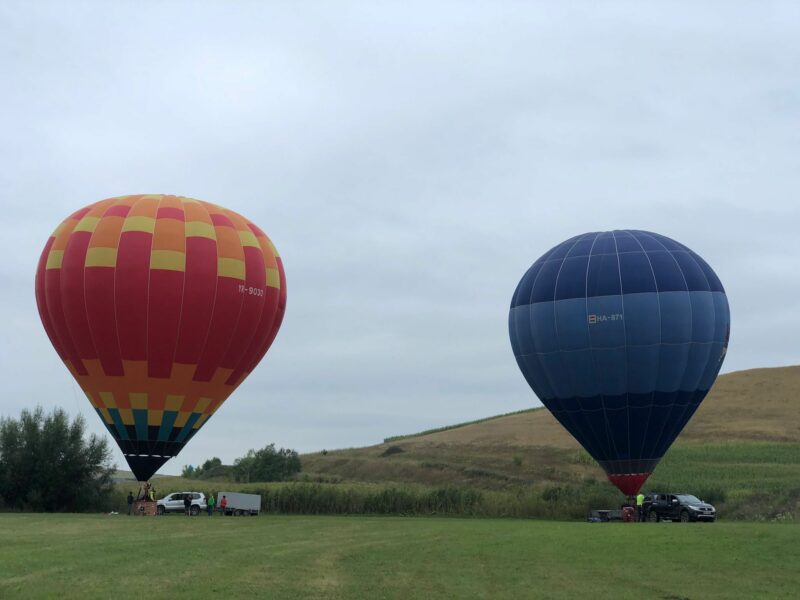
84,556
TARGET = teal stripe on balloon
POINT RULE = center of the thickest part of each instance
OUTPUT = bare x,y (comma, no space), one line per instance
167,422
121,430
188,427
140,419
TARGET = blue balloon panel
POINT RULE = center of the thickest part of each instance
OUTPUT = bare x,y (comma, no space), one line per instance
621,334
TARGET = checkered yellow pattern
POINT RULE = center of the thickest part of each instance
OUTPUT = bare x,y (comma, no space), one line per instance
159,306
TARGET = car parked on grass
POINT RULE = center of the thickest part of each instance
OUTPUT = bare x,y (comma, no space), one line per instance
677,507
174,503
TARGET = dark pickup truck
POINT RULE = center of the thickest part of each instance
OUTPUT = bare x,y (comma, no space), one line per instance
677,507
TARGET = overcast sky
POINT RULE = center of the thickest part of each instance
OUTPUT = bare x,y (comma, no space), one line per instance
410,161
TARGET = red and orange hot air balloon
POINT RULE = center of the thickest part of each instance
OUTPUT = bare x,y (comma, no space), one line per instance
159,306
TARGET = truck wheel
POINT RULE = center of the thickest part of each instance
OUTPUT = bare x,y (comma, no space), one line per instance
160,510
684,516
239,513
194,511
652,516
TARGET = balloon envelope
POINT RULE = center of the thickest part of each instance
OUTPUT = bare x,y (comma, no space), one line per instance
621,335
159,306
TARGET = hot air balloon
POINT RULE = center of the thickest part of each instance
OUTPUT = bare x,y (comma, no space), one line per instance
159,306
621,335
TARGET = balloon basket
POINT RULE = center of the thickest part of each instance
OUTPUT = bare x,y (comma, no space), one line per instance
142,508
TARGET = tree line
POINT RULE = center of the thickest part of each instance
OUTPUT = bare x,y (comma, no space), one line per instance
47,463
267,464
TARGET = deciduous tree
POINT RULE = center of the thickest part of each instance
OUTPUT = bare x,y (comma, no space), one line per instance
48,463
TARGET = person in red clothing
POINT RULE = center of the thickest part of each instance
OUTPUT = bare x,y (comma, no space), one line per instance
223,504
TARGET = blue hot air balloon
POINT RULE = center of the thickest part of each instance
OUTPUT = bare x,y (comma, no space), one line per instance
621,335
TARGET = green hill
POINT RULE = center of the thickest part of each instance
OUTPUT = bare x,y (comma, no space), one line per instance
741,451
743,441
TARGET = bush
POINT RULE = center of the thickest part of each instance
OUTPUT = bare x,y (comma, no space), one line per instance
712,495
392,450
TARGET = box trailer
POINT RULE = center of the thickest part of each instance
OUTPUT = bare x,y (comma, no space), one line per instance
240,504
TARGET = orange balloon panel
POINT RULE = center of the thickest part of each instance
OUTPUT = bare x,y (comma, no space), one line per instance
159,306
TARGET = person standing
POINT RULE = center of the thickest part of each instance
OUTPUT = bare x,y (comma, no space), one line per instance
640,507
223,504
210,505
130,503
187,504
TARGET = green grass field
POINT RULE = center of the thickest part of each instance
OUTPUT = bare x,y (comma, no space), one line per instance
93,556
